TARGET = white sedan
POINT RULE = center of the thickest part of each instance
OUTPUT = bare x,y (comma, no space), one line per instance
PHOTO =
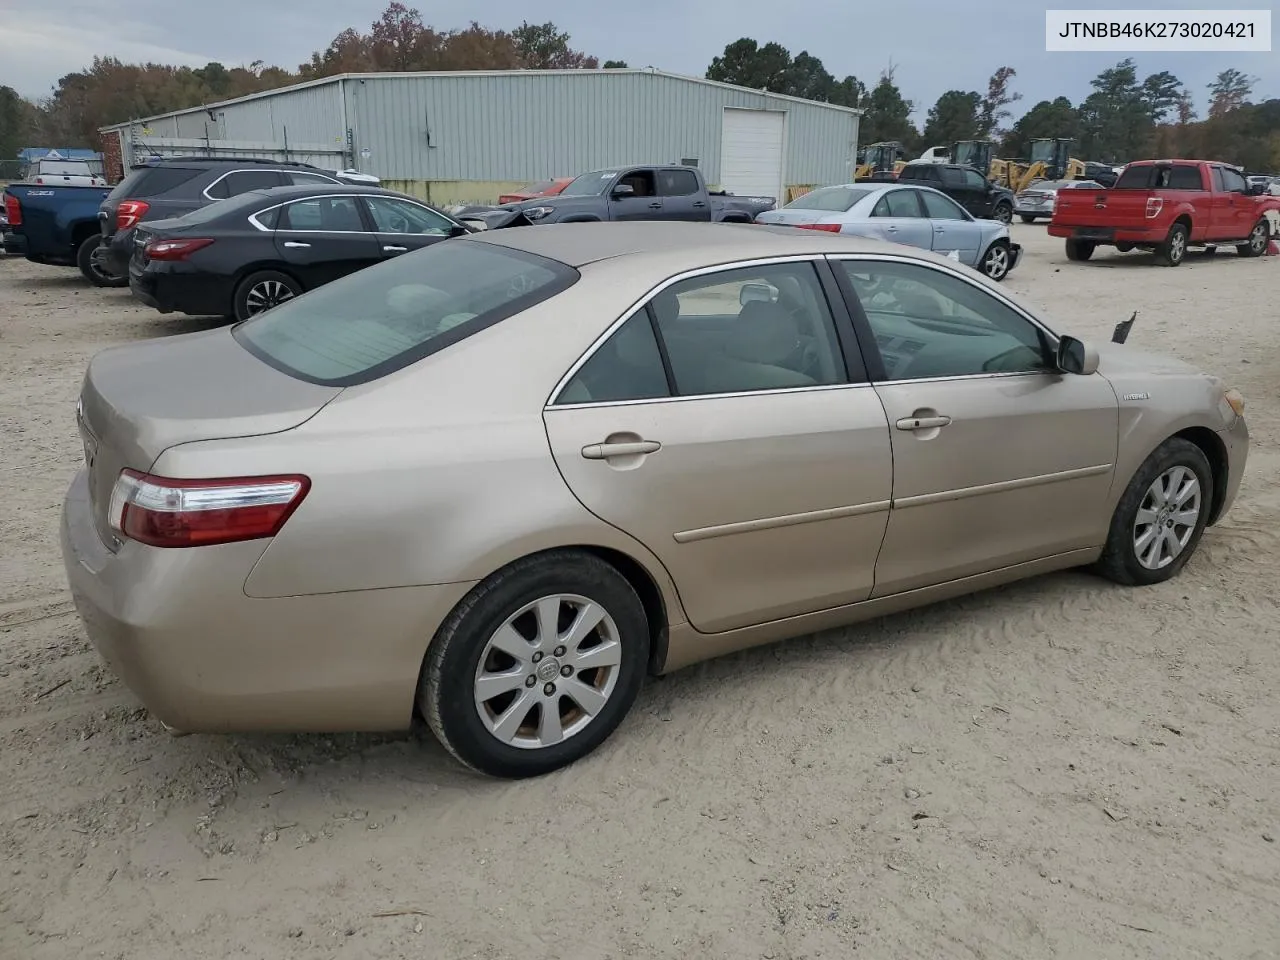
914,215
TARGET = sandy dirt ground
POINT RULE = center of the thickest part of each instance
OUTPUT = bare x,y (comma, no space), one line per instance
1061,768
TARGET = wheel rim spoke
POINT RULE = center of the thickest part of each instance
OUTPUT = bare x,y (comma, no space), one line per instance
588,618
492,685
1167,517
548,621
510,720
550,729
590,699
1186,518
511,643
606,654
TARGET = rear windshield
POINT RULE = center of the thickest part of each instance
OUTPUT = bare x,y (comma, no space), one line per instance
833,199
143,182
1178,176
65,168
378,320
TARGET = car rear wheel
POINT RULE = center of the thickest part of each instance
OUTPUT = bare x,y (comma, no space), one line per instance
1161,516
996,261
1256,245
537,665
92,261
1080,249
263,290
1173,251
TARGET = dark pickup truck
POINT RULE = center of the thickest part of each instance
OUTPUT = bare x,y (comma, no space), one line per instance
654,192
965,185
57,224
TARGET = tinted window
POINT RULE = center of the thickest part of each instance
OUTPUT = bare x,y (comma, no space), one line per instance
388,316
627,366
1179,176
269,218
974,180
65,168
677,183
242,181
897,203
146,182
834,199
1218,183
330,214
940,207
928,323
927,173
754,328
1233,181
951,177
299,179
1185,176
400,216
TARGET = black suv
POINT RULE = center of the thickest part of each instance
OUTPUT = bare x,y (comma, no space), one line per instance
173,186
966,186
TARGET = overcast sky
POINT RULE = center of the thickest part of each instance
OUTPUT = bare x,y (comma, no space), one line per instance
936,45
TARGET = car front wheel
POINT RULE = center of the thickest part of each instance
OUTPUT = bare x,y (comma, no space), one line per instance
1003,213
996,261
1256,245
537,665
1161,516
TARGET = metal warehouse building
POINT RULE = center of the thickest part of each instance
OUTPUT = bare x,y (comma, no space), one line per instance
467,136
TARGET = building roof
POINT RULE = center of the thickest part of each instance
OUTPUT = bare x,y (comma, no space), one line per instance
650,71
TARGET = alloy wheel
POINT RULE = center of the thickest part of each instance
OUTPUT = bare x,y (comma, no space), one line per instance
98,264
1177,246
1167,517
1258,239
265,295
996,263
548,671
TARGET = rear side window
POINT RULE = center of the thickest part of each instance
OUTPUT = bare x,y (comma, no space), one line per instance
1179,176
383,318
242,181
951,177
1184,176
145,182
299,179
677,183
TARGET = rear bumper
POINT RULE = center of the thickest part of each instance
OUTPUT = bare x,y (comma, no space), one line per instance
195,294
176,627
1109,234
15,244
118,249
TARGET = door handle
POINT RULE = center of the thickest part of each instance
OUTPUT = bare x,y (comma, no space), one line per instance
656,205
295,245
922,423
394,249
698,203
606,451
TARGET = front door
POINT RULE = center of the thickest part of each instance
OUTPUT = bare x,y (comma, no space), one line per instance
998,459
899,218
954,232
747,459
1241,209
643,203
324,238
403,226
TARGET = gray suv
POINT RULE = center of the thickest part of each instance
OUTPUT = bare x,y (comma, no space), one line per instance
170,187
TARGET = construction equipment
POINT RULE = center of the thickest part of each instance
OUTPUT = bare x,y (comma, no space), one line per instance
881,161
974,153
1050,160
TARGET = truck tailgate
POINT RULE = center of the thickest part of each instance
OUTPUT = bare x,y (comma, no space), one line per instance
1104,208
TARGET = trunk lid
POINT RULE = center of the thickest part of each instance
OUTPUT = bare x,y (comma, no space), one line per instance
1080,207
136,401
795,217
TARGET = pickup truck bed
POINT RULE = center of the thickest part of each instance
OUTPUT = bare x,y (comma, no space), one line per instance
1166,206
57,225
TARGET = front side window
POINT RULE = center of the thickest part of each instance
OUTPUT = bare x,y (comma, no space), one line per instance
385,317
400,216
974,180
951,177
1232,181
322,214
898,204
938,206
677,183
929,323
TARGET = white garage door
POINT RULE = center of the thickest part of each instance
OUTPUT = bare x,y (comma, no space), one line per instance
751,152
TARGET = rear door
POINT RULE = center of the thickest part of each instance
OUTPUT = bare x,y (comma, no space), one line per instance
899,218
402,226
758,473
323,238
682,196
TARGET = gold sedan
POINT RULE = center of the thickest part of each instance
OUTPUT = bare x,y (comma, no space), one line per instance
497,482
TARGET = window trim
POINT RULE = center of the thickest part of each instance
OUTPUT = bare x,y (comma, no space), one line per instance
364,215
856,372
866,336
217,180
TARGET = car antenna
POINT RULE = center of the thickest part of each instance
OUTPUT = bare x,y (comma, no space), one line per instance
1121,333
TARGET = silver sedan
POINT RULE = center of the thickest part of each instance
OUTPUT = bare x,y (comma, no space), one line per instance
916,216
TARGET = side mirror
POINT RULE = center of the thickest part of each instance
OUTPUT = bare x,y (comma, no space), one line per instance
1076,357
459,230
756,291
623,190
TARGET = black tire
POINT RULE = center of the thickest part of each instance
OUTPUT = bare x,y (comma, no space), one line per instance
93,267
1026,218
1124,247
262,290
447,695
1173,251
1259,237
1080,250
996,261
1003,212
1120,561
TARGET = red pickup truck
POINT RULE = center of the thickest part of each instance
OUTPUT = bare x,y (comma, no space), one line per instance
1166,206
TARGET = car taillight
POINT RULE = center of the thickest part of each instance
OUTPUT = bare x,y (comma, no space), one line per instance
162,512
1154,206
175,249
828,227
130,212
39,179
12,210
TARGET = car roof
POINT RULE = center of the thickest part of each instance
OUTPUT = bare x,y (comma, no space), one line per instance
292,191
579,244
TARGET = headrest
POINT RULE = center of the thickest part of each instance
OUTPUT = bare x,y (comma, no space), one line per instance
764,333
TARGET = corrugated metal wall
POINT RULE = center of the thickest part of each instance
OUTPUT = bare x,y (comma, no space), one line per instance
523,126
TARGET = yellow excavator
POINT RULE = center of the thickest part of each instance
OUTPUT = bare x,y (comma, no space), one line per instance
881,161
980,154
1050,160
